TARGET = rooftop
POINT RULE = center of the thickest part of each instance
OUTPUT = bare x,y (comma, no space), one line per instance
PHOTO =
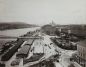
24,49
82,43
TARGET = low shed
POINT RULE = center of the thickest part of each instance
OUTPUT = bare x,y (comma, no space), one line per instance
23,52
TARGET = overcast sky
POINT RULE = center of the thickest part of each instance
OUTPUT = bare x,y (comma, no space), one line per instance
43,11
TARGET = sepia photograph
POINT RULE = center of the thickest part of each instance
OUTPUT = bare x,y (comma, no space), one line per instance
42,33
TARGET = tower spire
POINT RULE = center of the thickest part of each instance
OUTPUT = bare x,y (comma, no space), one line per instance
53,23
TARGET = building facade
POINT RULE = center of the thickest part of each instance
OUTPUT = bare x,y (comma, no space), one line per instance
81,53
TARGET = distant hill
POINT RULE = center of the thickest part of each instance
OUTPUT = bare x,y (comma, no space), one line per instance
15,25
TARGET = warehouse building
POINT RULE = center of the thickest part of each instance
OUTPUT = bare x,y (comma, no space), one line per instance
80,56
8,54
29,42
23,52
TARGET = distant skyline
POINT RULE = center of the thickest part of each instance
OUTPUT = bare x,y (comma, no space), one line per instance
43,11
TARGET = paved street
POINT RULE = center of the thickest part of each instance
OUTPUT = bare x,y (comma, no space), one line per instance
65,54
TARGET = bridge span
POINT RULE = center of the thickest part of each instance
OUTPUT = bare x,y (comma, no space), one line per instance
31,37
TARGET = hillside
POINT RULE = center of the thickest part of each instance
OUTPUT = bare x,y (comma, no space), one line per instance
15,25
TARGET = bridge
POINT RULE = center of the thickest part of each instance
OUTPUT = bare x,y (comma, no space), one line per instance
31,37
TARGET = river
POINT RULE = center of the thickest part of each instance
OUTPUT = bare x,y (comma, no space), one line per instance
15,33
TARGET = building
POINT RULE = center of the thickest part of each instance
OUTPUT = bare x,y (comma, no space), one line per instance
12,50
29,42
81,53
38,47
23,52
77,30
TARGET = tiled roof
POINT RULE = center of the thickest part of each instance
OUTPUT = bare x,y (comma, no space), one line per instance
24,49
